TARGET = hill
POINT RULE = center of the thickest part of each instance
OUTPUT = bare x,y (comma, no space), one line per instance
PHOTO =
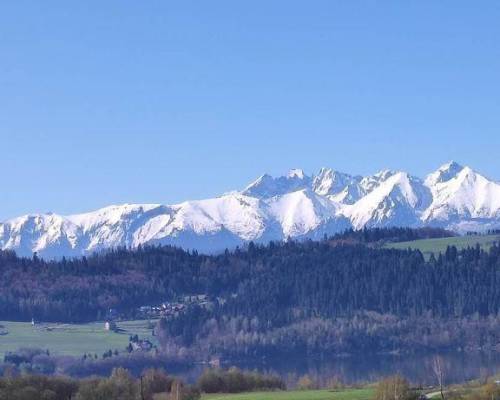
336,296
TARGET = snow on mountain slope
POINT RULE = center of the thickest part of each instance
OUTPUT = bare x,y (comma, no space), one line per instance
396,200
49,233
235,212
118,225
340,187
330,182
301,212
443,174
267,186
370,183
462,195
294,205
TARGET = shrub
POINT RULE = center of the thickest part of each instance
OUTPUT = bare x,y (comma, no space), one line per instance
236,381
394,388
491,391
306,383
154,381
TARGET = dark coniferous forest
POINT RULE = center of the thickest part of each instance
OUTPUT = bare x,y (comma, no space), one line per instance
338,294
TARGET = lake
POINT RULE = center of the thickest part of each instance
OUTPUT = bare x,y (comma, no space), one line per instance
417,369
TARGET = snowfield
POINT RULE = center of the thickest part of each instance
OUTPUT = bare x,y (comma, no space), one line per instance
290,206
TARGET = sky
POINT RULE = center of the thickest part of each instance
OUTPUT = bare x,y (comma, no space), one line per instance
109,102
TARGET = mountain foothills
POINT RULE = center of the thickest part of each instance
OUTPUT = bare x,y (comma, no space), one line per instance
342,295
292,206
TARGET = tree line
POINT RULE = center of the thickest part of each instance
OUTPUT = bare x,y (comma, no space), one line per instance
122,385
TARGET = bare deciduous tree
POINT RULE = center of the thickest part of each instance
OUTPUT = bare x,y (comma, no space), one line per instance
176,390
439,371
484,375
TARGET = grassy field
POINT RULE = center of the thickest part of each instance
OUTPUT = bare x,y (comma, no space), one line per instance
71,339
348,394
428,246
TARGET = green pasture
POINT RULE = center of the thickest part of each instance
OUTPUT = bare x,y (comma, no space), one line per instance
70,339
436,246
348,394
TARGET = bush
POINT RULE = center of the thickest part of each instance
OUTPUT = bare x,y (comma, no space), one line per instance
154,381
37,387
191,393
335,383
394,388
23,355
491,391
306,383
237,381
120,385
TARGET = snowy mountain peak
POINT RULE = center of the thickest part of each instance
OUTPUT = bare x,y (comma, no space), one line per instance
330,182
451,165
270,208
464,199
384,174
369,183
396,200
444,173
267,186
296,173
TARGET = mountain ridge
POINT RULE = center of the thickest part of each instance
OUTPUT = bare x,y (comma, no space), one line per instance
294,205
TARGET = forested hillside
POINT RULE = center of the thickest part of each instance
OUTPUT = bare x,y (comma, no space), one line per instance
274,295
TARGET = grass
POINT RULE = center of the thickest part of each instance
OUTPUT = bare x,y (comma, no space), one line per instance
70,339
347,394
428,246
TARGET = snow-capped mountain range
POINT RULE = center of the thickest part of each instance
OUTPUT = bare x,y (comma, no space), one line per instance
295,205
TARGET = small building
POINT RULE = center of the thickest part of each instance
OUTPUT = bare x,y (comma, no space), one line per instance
110,326
142,345
214,362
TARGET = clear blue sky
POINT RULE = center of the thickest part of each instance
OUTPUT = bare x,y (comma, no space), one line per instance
106,102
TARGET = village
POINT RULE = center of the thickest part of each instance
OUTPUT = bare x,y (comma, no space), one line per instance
167,310
173,309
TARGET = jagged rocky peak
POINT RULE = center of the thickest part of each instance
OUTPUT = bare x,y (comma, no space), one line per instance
329,182
397,199
444,173
267,186
369,183
295,173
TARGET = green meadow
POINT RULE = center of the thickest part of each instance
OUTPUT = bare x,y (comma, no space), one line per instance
70,339
347,394
436,246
